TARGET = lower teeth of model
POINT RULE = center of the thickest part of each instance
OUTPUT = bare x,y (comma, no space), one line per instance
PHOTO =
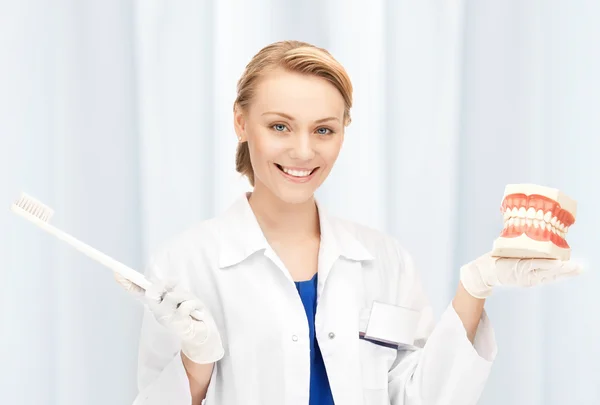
517,222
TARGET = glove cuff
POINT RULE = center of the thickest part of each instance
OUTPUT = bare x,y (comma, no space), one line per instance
202,355
473,282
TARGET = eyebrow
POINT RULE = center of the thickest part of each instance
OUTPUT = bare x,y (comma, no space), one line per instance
292,119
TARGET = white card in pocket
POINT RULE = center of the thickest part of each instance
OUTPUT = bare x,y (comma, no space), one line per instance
392,324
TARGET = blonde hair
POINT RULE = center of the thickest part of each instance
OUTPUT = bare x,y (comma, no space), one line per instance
295,56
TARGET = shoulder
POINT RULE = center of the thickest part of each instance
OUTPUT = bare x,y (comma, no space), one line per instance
191,245
383,246
391,275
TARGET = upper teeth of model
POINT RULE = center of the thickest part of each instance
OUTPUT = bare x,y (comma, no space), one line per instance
296,173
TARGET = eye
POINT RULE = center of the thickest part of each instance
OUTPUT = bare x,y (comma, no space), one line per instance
324,131
278,127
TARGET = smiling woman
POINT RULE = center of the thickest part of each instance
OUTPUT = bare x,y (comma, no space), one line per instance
287,139
300,307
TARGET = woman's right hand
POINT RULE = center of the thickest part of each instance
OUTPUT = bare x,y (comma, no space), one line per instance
172,308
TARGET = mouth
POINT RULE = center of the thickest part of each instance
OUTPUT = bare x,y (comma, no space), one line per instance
297,175
540,215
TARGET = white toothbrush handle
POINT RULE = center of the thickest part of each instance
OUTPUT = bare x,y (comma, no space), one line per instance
125,271
89,251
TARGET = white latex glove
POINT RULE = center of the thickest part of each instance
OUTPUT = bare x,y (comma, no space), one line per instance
172,308
481,275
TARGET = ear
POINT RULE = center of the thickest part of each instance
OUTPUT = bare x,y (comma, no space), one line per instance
239,123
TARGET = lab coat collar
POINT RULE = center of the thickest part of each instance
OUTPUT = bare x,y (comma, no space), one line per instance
240,236
337,239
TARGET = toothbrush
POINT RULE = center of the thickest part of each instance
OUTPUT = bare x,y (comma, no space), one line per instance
40,214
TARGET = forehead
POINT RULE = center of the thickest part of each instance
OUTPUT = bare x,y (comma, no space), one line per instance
296,93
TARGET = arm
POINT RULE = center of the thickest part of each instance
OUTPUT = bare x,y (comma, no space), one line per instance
177,353
165,374
451,358
162,375
199,378
452,361
469,309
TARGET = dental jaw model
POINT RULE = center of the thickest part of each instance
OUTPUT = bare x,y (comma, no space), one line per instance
536,221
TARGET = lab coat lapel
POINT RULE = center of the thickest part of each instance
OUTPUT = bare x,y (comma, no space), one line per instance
336,242
341,258
239,234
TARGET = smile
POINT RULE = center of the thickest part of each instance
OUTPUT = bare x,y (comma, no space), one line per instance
296,174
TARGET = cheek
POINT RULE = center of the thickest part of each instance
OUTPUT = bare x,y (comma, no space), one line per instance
264,147
331,152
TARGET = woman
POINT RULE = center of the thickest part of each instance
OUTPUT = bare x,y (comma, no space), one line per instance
297,306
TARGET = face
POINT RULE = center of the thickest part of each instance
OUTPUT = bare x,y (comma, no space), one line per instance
294,129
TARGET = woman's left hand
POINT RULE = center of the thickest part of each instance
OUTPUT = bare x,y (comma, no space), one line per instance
480,276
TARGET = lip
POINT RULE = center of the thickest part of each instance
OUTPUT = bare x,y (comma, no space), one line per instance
297,180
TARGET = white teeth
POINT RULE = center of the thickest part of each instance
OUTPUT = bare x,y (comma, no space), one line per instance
297,173
518,217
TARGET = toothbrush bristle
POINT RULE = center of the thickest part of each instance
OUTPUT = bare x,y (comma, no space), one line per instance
34,207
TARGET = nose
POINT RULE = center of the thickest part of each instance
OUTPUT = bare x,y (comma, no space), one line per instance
303,147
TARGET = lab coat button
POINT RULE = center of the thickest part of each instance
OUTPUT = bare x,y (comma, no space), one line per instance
294,338
331,335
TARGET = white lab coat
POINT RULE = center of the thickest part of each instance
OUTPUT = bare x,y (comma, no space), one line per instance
228,264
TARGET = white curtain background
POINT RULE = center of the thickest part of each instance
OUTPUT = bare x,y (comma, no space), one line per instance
118,115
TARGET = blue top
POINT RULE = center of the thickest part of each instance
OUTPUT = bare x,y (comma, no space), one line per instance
320,392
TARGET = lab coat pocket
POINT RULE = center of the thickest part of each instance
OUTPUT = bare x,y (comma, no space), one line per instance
391,324
383,329
374,361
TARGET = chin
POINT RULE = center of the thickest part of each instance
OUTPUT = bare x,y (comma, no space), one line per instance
297,196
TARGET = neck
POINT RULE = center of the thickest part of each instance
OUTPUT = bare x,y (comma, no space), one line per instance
284,221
